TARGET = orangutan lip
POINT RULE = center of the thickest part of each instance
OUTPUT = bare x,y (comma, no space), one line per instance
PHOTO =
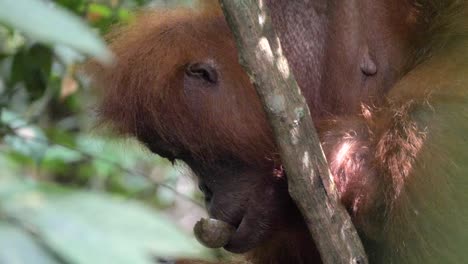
235,223
244,238
239,248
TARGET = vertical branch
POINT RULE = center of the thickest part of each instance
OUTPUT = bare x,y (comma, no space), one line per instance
309,179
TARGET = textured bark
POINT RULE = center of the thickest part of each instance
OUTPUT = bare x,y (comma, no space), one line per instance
309,179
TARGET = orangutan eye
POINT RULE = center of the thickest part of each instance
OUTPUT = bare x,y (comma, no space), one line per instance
202,71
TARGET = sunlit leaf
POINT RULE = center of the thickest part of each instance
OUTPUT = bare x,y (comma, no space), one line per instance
99,10
96,228
52,24
17,247
67,55
63,154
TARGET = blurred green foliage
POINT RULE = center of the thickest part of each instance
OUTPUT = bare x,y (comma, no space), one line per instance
70,193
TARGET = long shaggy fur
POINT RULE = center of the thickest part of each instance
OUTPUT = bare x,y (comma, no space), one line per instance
400,164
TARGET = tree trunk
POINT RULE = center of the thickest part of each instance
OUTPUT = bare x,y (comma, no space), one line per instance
309,179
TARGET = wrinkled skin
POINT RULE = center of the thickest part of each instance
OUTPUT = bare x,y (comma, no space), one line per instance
383,80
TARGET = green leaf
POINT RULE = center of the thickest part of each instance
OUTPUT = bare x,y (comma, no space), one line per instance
87,227
100,9
67,55
61,153
26,139
32,66
52,24
124,14
18,248
76,6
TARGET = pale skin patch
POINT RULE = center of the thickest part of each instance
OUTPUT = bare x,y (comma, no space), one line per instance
342,152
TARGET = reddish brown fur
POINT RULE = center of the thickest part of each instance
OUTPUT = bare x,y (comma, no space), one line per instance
154,74
380,139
